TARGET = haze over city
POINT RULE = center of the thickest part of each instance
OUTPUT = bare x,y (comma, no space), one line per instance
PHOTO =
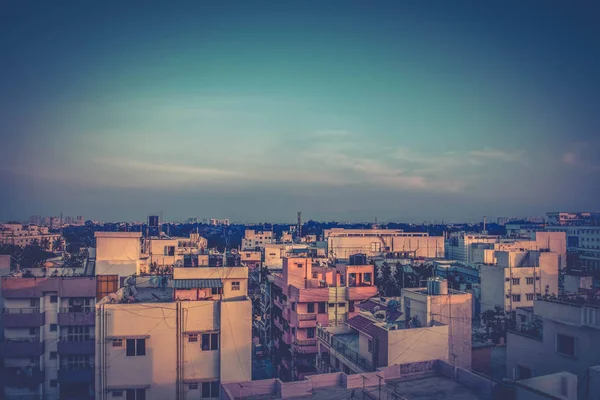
344,110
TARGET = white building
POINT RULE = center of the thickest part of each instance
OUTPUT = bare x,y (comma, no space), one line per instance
256,239
159,338
566,339
585,241
276,252
516,277
48,335
424,324
23,235
342,243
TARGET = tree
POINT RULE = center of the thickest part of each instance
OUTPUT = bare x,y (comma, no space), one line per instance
497,322
385,282
45,243
57,244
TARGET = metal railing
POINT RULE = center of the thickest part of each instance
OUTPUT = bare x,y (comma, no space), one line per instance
31,310
35,339
77,309
305,342
307,317
351,355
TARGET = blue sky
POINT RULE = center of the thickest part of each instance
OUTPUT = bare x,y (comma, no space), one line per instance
343,110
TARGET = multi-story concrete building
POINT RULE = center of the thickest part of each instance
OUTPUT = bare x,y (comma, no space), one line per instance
256,239
423,324
274,253
564,339
342,243
23,235
219,222
573,218
516,277
175,336
584,243
48,345
305,295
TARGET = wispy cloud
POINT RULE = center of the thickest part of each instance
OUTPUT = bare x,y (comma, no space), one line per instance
581,156
167,168
494,154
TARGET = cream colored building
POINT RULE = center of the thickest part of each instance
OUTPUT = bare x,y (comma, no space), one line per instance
23,235
423,324
516,277
175,338
256,239
342,243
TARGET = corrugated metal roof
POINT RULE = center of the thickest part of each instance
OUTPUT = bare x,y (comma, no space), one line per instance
362,324
197,283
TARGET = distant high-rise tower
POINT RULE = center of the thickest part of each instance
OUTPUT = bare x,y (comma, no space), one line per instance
299,228
153,225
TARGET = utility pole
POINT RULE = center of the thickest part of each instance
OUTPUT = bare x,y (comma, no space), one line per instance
380,378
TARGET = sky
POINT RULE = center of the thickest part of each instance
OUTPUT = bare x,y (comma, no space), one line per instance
344,110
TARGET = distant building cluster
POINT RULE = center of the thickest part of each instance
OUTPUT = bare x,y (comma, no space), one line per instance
24,235
56,222
145,315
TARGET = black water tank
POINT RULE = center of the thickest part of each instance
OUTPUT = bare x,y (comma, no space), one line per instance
358,259
215,261
234,260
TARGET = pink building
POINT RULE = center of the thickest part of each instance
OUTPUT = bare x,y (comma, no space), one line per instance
310,293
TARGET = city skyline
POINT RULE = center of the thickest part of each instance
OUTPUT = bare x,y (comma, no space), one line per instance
398,111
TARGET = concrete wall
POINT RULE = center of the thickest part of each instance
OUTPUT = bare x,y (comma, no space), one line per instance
236,341
117,253
419,344
428,246
562,385
492,287
573,283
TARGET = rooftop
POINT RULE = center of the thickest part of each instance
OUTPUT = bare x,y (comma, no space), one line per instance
423,380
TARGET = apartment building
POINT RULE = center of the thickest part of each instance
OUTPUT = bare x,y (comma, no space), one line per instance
516,277
584,242
563,339
342,243
423,324
23,235
256,239
307,294
48,345
274,253
175,336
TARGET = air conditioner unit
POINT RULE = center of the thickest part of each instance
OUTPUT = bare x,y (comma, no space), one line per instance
380,315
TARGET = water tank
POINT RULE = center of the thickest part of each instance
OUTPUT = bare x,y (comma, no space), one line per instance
215,260
437,286
357,259
234,260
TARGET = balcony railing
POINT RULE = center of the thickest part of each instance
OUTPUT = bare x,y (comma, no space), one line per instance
305,345
351,355
23,376
22,317
307,317
76,374
76,347
21,348
77,316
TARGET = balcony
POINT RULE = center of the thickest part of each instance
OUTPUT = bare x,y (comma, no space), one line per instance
278,324
23,376
22,348
72,348
351,355
287,337
86,316
22,317
84,374
307,320
305,346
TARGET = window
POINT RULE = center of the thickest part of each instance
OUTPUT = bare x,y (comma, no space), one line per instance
523,372
169,250
331,305
310,307
75,362
294,306
367,277
33,302
117,343
53,383
523,318
53,299
516,297
216,290
299,265
565,345
351,306
193,337
77,333
516,281
341,304
210,341
530,296
53,355
310,333
235,286
136,347
117,393
53,327
370,346
321,306
530,281
210,390
32,331
135,394
193,386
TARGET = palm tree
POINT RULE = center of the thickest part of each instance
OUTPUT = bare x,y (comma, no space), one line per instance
57,244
